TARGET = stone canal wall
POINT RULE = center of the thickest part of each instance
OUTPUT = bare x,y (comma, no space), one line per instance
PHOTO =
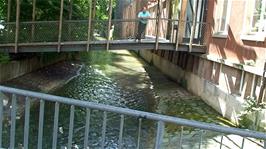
222,85
14,69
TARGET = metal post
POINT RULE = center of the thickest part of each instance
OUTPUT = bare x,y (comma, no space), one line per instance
120,142
158,21
40,129
221,143
60,26
193,28
1,120
26,123
201,135
71,126
243,143
159,136
109,24
33,19
13,121
87,128
17,25
139,133
264,144
104,129
181,137
55,129
89,25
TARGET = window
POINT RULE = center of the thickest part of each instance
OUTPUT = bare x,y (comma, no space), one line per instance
255,17
222,16
258,22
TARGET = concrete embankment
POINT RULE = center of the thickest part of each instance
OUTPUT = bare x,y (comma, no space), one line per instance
223,86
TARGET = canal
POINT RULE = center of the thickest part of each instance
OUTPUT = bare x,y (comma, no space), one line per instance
124,80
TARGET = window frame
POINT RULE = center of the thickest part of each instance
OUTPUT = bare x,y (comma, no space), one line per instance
218,16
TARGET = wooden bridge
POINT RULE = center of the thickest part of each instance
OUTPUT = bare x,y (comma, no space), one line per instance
110,34
46,37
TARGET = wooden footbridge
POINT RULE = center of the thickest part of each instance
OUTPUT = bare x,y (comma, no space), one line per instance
90,34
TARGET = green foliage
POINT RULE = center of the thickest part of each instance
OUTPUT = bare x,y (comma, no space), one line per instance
249,117
50,9
4,58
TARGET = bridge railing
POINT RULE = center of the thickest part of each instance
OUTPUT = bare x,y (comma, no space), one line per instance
77,30
13,136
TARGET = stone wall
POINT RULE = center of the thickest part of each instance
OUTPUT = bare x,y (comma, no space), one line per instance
15,69
223,86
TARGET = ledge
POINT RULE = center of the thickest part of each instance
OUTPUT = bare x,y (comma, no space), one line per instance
220,35
254,37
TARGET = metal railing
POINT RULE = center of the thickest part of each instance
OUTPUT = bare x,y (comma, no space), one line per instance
17,95
77,30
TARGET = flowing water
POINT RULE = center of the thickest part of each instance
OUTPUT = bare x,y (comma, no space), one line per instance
120,79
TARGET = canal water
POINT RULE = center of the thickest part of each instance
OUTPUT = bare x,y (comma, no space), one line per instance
121,79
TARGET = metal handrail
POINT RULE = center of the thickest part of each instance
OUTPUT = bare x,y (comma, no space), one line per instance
136,113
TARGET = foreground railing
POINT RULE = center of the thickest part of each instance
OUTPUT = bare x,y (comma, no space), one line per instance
17,95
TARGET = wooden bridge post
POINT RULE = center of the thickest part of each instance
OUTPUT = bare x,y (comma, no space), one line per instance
193,28
89,25
262,89
60,26
181,23
158,21
17,25
109,24
33,20
8,10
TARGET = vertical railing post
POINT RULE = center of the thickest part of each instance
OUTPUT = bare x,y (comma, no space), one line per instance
33,20
109,24
139,133
264,144
1,120
89,25
104,129
181,137
17,25
13,121
71,126
221,142
26,123
60,26
193,28
159,136
87,128
55,129
120,142
41,119
158,21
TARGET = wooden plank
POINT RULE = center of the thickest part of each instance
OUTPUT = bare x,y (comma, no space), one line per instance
17,25
158,22
33,19
60,26
109,24
182,21
89,25
193,28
